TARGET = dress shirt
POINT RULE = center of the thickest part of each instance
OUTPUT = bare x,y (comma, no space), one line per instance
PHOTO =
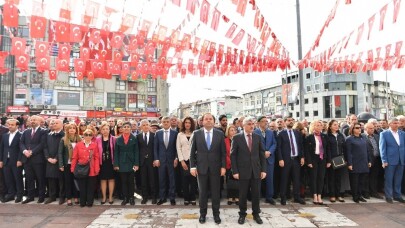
205,135
294,141
168,134
147,136
396,136
11,137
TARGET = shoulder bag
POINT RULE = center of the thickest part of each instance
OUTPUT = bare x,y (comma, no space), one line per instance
83,170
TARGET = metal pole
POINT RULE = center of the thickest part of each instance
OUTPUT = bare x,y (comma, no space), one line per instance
386,94
300,72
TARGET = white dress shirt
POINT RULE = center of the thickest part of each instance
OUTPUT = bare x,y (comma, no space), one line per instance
396,136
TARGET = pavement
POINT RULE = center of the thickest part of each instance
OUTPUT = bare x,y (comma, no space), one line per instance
374,213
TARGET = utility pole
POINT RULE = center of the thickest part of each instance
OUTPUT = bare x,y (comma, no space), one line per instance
300,71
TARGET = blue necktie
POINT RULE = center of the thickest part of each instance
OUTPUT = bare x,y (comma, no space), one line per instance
208,140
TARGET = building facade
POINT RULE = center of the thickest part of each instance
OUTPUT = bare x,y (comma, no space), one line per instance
263,101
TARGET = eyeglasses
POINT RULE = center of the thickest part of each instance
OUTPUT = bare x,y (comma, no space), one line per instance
88,135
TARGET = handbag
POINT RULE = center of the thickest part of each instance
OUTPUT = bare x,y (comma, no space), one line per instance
83,170
338,162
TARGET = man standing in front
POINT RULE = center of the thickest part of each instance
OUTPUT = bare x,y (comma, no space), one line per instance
392,151
249,167
207,161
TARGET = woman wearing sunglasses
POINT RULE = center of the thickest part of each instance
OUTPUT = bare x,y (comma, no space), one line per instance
358,161
84,152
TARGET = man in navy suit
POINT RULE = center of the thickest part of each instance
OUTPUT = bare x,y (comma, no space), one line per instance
3,189
32,148
392,151
269,145
290,158
165,155
10,160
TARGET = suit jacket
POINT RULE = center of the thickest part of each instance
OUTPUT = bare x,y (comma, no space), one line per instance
203,158
126,155
146,149
245,162
284,148
162,153
390,151
370,146
269,143
310,147
13,149
35,144
3,130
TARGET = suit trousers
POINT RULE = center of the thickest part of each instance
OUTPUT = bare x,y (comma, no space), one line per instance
189,183
54,185
335,181
70,187
213,181
291,167
356,184
148,180
3,189
14,180
374,177
254,185
35,172
164,169
317,174
270,181
86,188
128,184
393,178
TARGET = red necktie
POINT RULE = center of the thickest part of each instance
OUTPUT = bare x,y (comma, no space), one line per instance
33,133
250,142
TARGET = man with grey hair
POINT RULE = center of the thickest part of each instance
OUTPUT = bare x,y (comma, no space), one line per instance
392,152
401,120
375,124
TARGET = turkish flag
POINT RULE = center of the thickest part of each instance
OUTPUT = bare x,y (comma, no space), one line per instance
106,27
117,40
18,46
378,50
370,57
185,43
196,45
41,48
256,22
80,65
387,50
388,63
125,67
153,70
124,76
191,4
10,15
53,74
42,63
231,31
370,25
110,67
146,26
90,75
64,51
398,47
22,62
377,64
348,1
397,4
359,33
75,33
92,11
79,75
205,8
383,11
37,27
162,33
102,54
215,20
97,66
62,31
64,14
84,53
95,36
128,22
241,8
3,56
62,65
238,38
337,101
135,59
400,62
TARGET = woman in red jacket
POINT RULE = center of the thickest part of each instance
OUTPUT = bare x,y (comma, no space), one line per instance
87,151
232,188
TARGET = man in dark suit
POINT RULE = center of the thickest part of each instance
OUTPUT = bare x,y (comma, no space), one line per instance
3,189
208,160
165,155
249,167
290,158
32,148
146,145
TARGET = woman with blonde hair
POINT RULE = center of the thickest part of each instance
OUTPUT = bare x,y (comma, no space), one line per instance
65,153
232,192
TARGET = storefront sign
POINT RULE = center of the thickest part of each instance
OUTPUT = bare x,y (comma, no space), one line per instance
21,109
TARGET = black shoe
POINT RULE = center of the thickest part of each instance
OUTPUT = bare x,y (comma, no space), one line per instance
89,205
399,200
300,201
41,200
361,199
241,220
202,219
172,202
111,202
271,201
132,201
193,203
230,202
186,203
161,201
28,200
237,203
49,200
389,200
217,219
124,202
103,202
19,199
377,196
154,201
283,202
257,219
144,201
356,200
82,205
61,201
7,199
366,196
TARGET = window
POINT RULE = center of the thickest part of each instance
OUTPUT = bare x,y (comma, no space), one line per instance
315,100
151,85
252,102
120,85
151,101
292,107
326,86
326,72
115,100
308,76
316,74
73,81
88,83
306,101
317,87
132,100
308,88
297,114
315,113
306,113
132,86
141,101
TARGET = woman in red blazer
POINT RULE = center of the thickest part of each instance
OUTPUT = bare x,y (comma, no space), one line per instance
87,151
232,194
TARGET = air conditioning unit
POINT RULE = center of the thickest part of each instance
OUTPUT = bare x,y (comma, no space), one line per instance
57,112
100,108
27,103
32,106
47,107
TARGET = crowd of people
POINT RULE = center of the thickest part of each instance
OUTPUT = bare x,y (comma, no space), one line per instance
76,160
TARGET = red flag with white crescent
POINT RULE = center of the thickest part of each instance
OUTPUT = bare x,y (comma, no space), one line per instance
37,26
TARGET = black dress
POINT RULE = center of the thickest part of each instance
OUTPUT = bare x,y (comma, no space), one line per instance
106,169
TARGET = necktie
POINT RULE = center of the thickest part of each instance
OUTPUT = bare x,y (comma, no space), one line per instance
250,142
145,138
33,133
264,134
208,140
166,140
292,144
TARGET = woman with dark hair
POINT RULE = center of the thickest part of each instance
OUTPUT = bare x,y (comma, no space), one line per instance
183,144
304,172
337,147
232,193
358,161
82,127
